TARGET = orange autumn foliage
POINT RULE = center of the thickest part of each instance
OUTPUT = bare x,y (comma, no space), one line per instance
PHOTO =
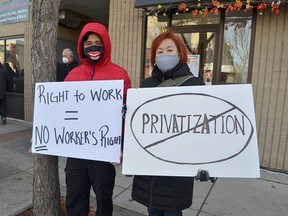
194,12
182,8
275,9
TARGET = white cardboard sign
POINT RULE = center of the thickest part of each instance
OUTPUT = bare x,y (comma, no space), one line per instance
176,131
78,119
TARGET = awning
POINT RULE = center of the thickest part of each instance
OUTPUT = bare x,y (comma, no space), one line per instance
148,3
206,5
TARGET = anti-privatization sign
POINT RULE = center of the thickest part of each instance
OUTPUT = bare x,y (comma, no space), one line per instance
177,131
78,119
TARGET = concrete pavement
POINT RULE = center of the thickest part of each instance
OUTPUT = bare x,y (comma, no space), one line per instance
267,196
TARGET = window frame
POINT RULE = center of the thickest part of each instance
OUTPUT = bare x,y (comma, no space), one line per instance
219,41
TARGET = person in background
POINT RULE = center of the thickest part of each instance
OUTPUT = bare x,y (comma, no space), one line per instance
68,60
166,195
69,63
94,51
4,79
12,75
19,83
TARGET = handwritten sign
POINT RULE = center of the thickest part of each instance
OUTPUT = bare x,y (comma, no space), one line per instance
78,119
176,131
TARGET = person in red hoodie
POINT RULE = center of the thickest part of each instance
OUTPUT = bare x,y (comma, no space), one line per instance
94,51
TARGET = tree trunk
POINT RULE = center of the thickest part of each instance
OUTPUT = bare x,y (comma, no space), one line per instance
46,189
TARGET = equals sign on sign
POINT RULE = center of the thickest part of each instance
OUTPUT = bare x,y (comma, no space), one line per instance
41,148
71,113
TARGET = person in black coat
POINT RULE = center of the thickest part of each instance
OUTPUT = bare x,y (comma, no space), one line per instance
11,77
4,79
69,63
166,195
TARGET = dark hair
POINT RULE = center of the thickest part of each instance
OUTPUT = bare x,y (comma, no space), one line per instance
85,37
179,44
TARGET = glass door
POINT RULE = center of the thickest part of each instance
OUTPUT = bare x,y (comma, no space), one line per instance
201,49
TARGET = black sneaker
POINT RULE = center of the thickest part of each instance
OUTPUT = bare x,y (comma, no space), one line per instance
4,121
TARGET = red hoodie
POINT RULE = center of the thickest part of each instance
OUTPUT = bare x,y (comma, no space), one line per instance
103,70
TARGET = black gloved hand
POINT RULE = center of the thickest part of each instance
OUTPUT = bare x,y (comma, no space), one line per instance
124,109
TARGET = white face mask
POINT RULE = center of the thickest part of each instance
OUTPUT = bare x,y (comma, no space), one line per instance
65,60
167,62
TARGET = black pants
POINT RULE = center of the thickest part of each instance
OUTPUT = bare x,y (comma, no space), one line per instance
3,107
80,176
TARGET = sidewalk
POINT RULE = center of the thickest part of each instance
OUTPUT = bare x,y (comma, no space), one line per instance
266,196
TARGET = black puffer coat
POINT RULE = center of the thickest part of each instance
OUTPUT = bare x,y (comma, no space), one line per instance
180,70
165,192
3,79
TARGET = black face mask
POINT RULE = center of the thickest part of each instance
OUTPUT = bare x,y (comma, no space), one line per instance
94,53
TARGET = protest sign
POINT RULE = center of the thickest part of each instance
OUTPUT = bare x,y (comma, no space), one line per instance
78,119
176,131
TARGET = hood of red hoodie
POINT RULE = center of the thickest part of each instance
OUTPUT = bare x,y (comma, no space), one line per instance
101,30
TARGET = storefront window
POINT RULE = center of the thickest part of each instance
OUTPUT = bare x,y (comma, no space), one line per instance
188,19
14,64
155,25
203,37
2,51
236,47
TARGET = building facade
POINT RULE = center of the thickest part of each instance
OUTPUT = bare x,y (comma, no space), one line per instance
224,48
